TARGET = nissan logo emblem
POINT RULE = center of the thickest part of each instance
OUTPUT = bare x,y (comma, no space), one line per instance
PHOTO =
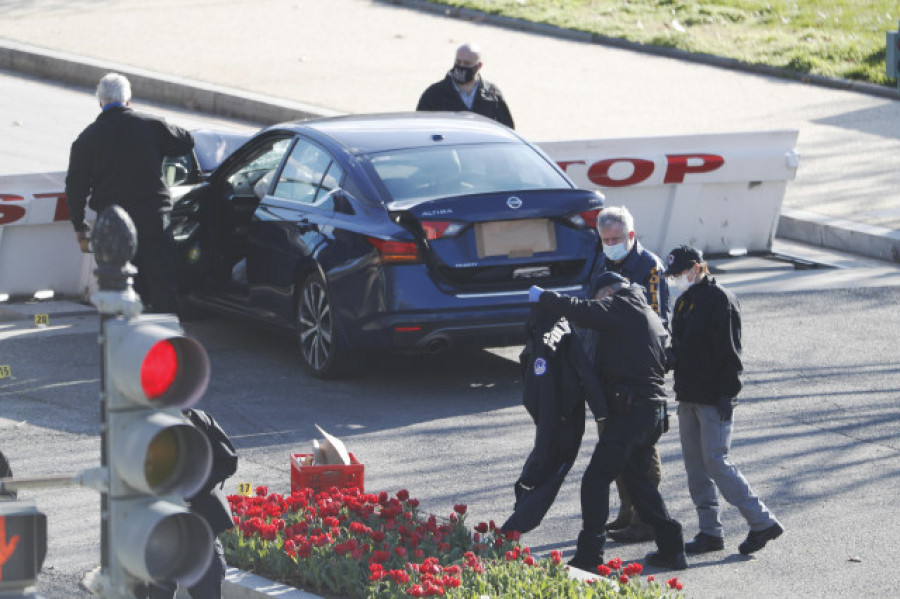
514,203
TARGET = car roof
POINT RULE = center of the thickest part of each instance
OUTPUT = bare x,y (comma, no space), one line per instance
373,133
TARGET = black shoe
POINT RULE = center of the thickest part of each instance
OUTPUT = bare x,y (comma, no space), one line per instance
757,539
586,564
669,561
588,552
634,533
704,543
623,520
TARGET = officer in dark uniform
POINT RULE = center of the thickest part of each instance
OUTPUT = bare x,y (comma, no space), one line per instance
631,361
118,159
464,89
624,254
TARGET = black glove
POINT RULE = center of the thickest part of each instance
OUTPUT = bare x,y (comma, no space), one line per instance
726,407
601,424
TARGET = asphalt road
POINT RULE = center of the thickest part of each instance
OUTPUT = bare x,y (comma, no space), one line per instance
818,437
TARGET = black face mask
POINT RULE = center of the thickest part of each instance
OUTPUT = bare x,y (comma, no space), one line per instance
463,74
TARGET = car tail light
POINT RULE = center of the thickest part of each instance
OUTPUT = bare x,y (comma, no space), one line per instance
435,229
586,219
395,252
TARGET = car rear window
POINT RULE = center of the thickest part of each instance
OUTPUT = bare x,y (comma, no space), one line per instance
466,169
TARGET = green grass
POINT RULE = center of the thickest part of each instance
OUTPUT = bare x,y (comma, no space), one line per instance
834,38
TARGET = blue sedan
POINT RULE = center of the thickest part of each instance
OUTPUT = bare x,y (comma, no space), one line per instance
417,232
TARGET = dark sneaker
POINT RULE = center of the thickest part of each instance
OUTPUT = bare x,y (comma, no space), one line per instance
669,561
704,543
588,564
623,520
757,539
635,533
588,552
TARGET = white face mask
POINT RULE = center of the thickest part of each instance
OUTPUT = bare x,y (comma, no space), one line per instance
678,285
616,252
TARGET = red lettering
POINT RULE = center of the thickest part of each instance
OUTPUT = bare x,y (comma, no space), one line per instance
678,165
599,172
8,212
564,165
62,208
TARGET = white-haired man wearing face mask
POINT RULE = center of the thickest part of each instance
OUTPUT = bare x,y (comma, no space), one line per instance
624,255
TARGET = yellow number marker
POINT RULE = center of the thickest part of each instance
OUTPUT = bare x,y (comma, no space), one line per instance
5,371
41,320
245,489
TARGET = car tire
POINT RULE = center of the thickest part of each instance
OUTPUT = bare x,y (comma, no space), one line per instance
320,349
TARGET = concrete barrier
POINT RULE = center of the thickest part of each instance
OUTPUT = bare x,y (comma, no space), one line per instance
719,192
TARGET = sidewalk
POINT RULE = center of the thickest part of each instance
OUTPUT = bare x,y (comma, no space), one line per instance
284,59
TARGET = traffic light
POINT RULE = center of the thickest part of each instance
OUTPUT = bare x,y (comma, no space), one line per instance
155,456
23,546
892,57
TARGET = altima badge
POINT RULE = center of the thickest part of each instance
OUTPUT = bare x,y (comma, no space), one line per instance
514,203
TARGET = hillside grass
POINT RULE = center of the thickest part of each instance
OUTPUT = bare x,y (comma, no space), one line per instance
835,38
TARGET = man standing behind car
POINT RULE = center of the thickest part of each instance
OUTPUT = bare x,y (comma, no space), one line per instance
630,358
464,89
118,159
706,341
623,254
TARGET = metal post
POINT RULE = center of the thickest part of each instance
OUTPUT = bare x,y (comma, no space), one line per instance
115,244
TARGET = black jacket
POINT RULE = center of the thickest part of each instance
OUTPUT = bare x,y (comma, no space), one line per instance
118,159
706,342
558,378
643,267
631,351
488,101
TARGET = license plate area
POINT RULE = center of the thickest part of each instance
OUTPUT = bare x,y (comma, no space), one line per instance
515,238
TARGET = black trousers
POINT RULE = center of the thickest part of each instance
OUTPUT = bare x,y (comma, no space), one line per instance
156,279
626,448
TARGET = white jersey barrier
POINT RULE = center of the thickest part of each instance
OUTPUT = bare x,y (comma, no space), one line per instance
38,250
719,192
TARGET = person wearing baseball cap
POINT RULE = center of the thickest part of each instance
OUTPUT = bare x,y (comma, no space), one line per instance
706,343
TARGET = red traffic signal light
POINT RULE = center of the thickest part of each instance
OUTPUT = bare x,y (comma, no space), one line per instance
155,456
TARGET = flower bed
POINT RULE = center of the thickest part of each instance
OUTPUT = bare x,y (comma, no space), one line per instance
352,544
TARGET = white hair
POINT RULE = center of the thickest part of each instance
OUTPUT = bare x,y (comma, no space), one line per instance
114,88
616,215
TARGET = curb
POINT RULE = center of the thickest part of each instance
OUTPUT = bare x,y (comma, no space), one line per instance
193,95
839,234
244,585
734,64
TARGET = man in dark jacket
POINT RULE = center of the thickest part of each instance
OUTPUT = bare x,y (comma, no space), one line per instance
464,89
118,159
624,254
631,361
706,342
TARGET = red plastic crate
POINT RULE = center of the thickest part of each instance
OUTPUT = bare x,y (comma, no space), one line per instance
322,478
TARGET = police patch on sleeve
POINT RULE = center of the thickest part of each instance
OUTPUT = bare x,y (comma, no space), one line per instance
540,367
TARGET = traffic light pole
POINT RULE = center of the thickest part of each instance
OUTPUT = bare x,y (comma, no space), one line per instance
114,243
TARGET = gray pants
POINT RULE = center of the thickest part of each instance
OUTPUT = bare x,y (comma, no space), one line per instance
705,442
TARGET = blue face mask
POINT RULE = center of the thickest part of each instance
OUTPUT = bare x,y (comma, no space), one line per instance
616,252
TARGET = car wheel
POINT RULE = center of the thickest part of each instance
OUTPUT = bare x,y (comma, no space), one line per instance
319,348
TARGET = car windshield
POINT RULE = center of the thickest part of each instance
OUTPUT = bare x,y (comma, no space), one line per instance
422,174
